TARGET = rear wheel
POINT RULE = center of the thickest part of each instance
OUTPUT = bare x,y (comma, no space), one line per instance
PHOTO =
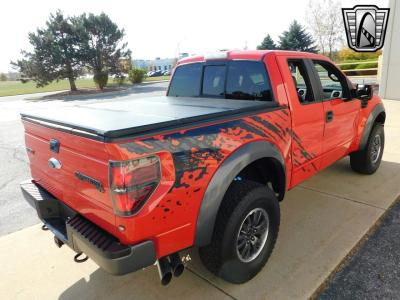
245,232
367,160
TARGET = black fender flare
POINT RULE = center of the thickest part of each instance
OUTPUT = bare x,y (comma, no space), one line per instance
369,124
221,180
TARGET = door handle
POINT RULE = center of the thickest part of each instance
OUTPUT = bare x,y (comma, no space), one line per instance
329,116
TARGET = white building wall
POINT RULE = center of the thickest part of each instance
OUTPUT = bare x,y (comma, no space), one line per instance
162,64
389,87
165,64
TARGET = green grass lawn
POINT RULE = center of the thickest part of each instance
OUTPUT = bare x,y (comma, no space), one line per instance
11,88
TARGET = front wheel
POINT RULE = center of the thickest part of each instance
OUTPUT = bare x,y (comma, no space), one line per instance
367,160
245,232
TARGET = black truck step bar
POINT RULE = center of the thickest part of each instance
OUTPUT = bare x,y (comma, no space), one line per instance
97,237
82,235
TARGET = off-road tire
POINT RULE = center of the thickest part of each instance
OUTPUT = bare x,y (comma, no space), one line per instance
361,161
221,256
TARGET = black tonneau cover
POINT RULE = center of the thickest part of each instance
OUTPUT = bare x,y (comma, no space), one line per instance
118,119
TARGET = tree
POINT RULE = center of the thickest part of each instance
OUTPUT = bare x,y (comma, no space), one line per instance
3,77
325,22
67,46
55,55
296,38
267,44
102,47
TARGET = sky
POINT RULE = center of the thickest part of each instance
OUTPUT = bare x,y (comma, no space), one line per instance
163,28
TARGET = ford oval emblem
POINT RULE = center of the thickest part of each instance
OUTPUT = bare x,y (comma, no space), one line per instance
54,163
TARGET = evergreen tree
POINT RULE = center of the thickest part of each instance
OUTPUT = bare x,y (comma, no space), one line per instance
67,46
296,38
267,44
55,55
102,47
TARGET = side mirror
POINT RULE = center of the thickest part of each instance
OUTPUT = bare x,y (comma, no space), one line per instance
364,92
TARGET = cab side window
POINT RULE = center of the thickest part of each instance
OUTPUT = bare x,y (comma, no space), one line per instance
301,81
333,83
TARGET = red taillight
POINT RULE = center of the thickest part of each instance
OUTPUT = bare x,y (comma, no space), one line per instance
132,182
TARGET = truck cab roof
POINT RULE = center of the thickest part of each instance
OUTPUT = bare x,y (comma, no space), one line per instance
249,55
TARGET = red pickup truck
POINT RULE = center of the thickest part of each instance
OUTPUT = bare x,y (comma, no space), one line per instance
131,183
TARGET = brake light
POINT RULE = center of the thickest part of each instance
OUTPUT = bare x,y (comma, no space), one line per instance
132,182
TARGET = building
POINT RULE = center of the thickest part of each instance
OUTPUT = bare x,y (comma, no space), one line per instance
140,63
159,64
389,87
162,64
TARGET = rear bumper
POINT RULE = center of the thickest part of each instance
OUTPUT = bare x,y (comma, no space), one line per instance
82,235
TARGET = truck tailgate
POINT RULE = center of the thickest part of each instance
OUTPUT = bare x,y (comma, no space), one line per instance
81,181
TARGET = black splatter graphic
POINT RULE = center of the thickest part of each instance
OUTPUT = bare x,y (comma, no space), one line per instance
195,150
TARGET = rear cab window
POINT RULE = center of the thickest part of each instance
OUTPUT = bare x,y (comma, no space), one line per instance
237,80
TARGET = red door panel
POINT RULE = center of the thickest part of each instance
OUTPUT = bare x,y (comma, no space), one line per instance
341,130
341,112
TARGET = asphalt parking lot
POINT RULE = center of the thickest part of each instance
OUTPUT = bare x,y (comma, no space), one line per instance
322,221
372,273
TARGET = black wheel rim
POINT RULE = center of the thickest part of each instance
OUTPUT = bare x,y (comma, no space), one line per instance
376,148
252,235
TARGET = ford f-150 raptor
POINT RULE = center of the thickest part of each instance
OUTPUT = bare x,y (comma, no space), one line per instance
131,183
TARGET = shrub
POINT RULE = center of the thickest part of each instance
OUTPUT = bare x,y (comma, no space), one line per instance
366,65
360,65
3,77
137,75
347,54
101,79
347,67
120,80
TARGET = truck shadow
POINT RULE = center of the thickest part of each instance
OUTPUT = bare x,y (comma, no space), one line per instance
102,285
144,284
